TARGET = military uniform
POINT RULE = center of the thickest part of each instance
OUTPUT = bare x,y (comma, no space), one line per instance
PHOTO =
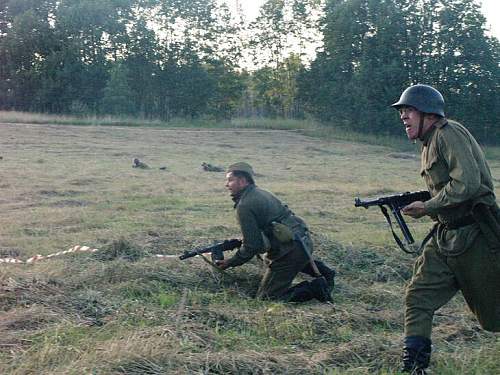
140,164
464,251
258,213
459,257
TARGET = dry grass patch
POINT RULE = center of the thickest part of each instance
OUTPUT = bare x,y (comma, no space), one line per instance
121,310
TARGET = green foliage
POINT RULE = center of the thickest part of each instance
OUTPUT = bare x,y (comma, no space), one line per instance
153,59
276,89
118,96
374,49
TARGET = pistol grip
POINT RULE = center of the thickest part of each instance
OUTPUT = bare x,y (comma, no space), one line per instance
402,225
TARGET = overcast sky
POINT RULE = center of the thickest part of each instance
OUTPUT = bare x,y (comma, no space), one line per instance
491,9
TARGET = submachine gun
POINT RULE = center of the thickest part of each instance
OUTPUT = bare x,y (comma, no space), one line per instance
217,250
396,203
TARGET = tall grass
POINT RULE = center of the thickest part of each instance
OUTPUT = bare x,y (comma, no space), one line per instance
123,311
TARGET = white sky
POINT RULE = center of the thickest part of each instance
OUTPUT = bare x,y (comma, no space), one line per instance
491,9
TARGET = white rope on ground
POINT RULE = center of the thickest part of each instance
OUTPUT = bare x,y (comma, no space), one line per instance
39,257
165,256
74,249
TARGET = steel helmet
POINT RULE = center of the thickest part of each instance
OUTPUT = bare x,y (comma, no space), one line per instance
425,98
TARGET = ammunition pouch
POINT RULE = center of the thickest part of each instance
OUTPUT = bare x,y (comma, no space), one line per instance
281,232
284,229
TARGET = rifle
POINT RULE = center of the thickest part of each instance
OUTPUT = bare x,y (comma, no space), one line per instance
217,250
396,203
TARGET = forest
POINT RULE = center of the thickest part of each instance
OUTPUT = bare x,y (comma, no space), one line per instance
340,62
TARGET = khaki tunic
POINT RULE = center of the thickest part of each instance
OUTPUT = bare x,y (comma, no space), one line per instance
457,176
255,211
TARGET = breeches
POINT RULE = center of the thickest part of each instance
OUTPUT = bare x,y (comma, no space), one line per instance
437,278
279,273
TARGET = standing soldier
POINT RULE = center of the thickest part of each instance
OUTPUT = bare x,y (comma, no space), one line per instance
270,227
464,252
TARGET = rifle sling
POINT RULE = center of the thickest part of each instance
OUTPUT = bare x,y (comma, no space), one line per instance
398,240
215,267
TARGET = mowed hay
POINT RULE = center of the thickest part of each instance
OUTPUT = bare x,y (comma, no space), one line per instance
123,310
120,249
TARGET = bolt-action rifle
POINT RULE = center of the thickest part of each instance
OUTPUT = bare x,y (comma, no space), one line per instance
396,203
217,250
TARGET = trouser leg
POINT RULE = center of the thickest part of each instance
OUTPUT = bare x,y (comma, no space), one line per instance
277,280
435,281
433,284
279,274
478,275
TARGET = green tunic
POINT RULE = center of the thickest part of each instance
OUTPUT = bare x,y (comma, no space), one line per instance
457,176
459,256
256,209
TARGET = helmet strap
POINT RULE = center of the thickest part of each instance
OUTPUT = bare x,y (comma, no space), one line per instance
420,125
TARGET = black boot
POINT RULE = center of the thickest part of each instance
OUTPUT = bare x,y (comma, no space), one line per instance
416,355
301,292
327,272
321,289
307,290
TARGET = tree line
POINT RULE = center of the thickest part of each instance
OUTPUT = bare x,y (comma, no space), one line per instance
339,61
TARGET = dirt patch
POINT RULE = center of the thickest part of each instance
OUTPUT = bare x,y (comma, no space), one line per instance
402,155
83,181
54,193
6,252
322,151
70,203
24,319
226,145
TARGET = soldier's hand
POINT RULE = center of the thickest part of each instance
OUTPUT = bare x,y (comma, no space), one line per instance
222,264
415,210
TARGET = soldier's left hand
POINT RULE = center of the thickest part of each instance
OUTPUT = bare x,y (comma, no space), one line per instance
415,210
222,264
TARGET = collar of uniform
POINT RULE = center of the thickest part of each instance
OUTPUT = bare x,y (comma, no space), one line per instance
242,193
441,122
437,125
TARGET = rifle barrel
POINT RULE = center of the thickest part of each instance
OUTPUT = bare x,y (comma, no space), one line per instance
223,246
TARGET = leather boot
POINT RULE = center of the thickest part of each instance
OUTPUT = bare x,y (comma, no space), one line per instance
301,292
327,272
321,289
416,355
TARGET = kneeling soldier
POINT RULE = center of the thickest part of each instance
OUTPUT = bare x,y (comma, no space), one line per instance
268,226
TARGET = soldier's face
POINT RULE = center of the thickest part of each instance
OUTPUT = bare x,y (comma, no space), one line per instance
235,184
411,120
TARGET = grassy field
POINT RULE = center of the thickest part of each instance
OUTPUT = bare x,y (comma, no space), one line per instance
122,311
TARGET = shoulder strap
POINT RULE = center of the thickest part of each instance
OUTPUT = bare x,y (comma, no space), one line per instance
398,240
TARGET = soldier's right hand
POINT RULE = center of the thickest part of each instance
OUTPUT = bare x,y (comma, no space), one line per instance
415,209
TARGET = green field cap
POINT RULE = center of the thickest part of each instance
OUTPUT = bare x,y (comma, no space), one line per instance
242,167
